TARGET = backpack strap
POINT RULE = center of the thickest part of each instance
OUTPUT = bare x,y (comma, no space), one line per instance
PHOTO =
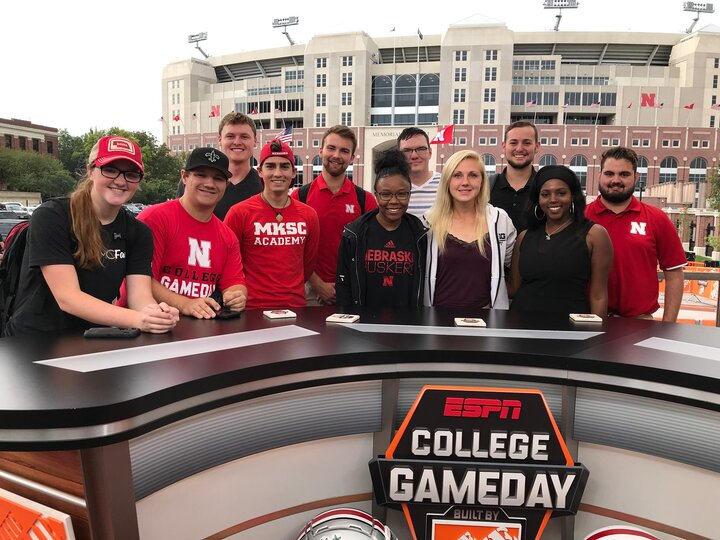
303,193
361,193
493,179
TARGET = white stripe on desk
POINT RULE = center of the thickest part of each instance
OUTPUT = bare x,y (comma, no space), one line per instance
472,331
681,347
162,351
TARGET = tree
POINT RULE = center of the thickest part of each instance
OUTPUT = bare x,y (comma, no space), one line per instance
713,198
71,150
30,171
162,170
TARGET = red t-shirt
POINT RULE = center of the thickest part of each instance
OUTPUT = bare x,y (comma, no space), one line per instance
192,257
278,257
334,210
642,237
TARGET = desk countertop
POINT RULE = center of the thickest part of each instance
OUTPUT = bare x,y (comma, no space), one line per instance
66,391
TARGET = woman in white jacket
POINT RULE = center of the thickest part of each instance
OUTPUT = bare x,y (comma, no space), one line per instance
471,241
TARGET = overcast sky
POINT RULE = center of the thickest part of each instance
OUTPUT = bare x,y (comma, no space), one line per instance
88,64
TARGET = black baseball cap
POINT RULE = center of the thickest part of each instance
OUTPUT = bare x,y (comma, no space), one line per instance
208,157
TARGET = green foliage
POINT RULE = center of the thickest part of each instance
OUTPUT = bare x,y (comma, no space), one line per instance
713,199
30,171
713,241
162,171
71,151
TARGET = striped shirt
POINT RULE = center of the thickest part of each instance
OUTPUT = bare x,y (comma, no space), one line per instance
422,197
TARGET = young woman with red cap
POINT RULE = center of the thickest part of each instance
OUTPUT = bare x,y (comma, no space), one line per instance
81,248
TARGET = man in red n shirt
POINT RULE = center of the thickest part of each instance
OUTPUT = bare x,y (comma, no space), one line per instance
642,237
334,197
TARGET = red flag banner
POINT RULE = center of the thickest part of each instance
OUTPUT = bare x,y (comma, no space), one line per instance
176,117
630,106
444,135
715,106
214,111
689,107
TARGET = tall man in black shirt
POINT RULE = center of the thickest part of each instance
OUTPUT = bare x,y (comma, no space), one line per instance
237,137
510,188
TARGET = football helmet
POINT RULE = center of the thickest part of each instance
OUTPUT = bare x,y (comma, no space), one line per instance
347,524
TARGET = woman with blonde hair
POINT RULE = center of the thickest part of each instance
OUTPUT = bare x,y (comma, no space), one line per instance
471,241
80,249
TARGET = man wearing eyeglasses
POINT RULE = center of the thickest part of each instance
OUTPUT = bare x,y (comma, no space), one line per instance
414,143
510,189
194,252
337,202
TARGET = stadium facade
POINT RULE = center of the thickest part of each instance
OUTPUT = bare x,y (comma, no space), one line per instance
587,91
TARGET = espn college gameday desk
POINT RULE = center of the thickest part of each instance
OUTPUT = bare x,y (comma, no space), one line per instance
247,428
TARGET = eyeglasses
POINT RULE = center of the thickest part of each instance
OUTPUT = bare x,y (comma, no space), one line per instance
130,176
419,150
386,196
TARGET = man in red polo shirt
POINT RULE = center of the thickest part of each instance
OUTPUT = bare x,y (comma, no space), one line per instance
642,237
335,199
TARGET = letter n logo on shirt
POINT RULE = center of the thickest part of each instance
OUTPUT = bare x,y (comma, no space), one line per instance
199,253
349,208
637,228
388,281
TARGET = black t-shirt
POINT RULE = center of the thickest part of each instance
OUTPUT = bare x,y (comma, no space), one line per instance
50,241
504,196
234,193
389,266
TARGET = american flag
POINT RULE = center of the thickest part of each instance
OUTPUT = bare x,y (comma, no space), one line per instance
530,103
286,135
595,105
715,106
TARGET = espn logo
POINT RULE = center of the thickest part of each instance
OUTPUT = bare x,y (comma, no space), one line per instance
482,408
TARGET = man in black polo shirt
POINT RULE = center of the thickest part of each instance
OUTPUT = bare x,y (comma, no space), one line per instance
510,188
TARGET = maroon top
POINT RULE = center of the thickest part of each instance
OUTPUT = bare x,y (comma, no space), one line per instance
463,275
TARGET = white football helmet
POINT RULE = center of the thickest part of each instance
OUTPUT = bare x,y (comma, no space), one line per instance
348,524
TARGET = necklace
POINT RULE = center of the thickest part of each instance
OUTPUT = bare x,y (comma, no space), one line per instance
278,214
549,234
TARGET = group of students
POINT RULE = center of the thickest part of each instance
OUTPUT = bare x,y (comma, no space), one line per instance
238,238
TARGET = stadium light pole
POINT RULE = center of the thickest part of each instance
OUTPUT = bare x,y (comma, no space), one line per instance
284,23
196,39
698,8
560,5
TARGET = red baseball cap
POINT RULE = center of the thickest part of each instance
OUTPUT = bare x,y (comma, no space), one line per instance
111,148
284,152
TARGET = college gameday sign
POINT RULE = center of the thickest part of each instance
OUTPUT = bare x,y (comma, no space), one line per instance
477,464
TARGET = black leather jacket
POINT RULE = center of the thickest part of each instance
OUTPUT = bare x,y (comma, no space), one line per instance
350,278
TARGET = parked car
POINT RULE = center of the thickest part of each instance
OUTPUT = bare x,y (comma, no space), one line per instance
16,207
8,220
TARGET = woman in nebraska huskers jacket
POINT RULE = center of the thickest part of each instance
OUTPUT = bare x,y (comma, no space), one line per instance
381,260
471,241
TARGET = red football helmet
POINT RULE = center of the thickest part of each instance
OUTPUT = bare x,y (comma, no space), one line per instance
353,524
